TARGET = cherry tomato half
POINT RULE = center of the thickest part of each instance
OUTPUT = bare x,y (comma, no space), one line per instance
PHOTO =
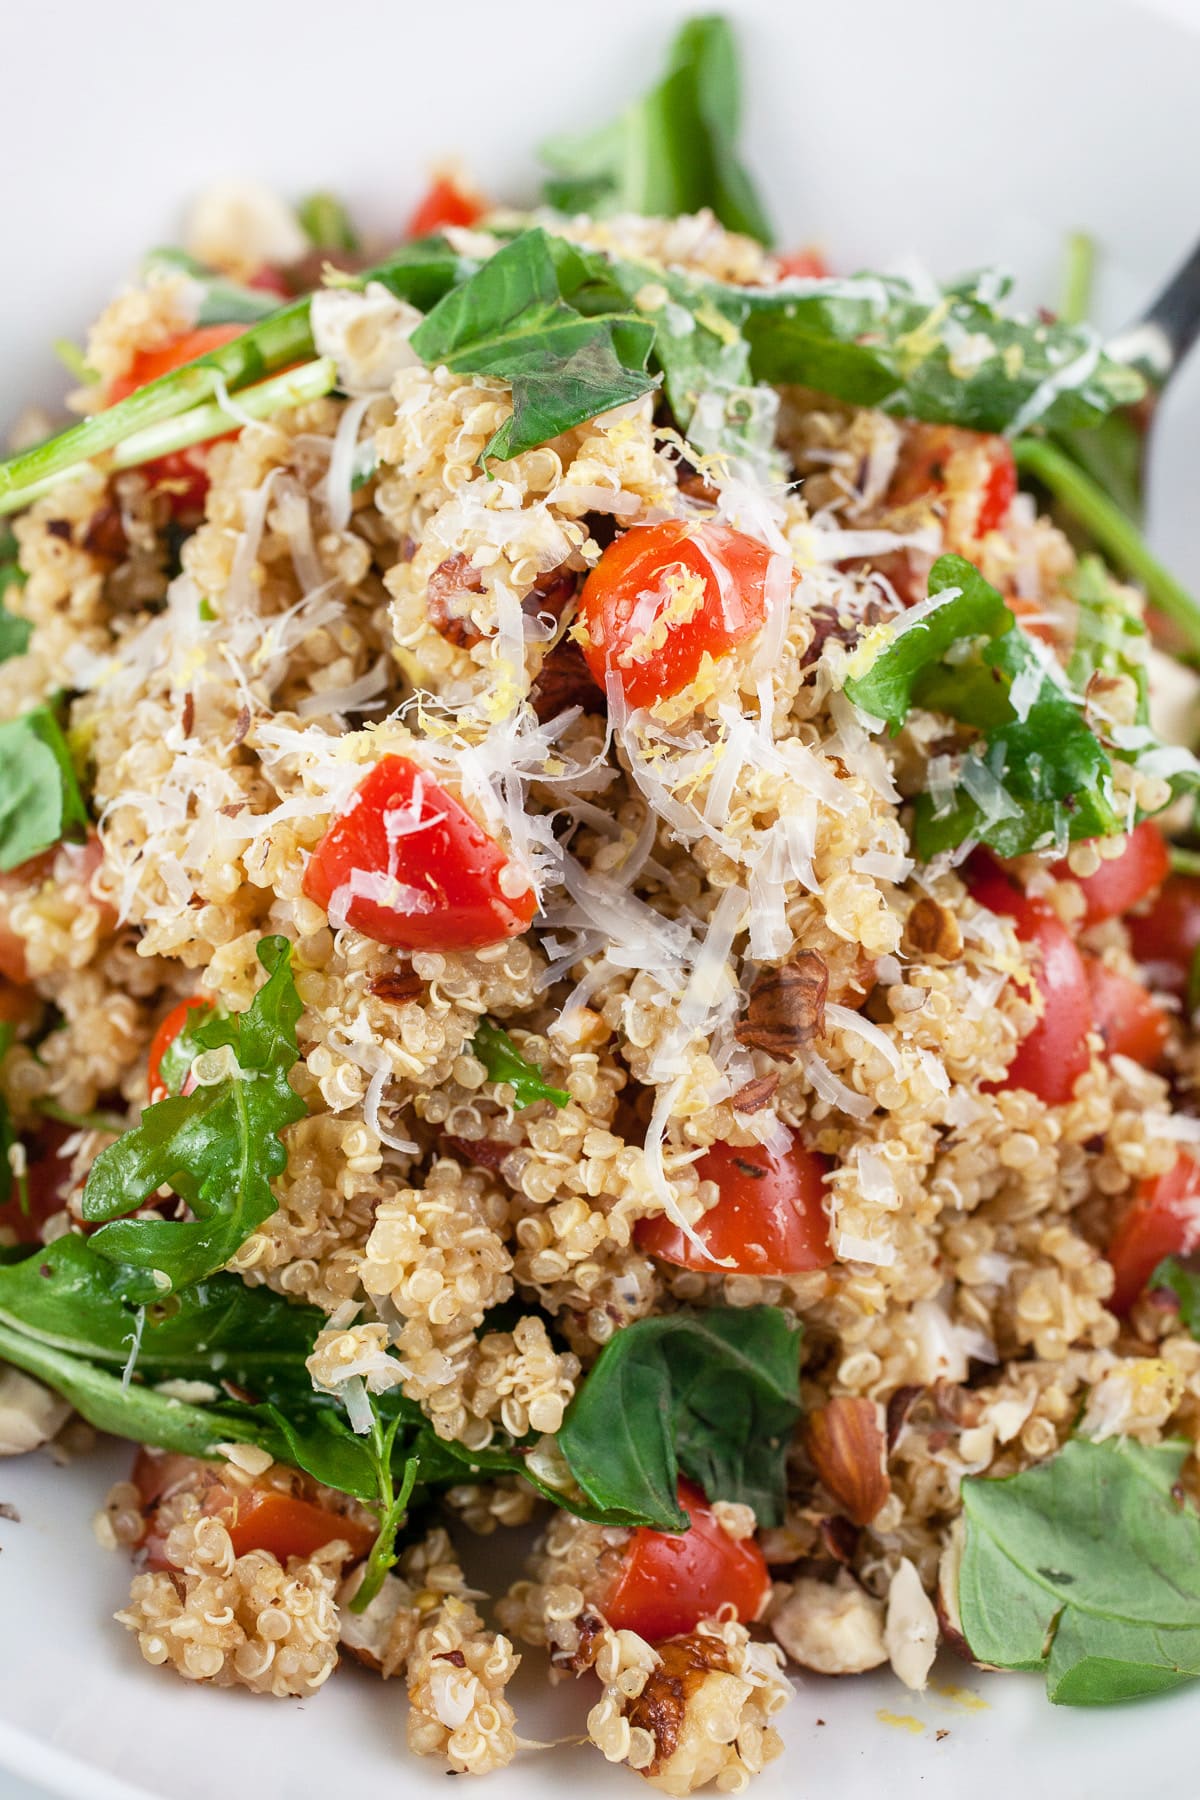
257,1518
1162,1220
667,1583
1142,866
924,465
1167,937
181,474
172,1049
769,1220
1054,1055
445,203
809,264
1130,1020
663,597
405,864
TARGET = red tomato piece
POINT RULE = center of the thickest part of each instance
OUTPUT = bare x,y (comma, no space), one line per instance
1167,937
1163,1220
667,1583
1129,1020
1117,885
769,1220
261,1517
446,202
174,1026
1055,1054
809,264
181,474
663,597
924,466
405,864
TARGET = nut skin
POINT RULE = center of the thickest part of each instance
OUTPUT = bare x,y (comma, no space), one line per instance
847,1444
786,1010
933,931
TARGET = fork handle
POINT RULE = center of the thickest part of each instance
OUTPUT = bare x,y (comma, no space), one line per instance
1158,342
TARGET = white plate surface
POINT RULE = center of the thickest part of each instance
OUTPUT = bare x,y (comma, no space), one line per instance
965,130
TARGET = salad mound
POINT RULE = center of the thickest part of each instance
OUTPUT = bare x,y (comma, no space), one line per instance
598,927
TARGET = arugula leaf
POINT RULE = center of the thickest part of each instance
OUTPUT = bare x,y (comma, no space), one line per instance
715,1393
675,150
40,801
217,1148
175,1063
1086,1567
1110,634
15,632
510,320
1183,1279
504,1062
1038,777
952,358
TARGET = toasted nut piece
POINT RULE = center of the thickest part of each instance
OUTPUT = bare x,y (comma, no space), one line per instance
848,1446
933,930
787,1007
910,1634
30,1414
832,1628
380,1636
755,1095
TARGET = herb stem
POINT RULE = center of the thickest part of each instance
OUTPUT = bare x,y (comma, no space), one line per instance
1184,862
1078,278
88,1121
1112,530
393,1509
196,426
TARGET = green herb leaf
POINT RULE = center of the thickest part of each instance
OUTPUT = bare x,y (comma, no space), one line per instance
326,223
219,300
1183,1279
675,150
504,1062
1087,1567
40,801
15,632
1110,634
218,1148
954,358
510,320
1038,778
714,1393
175,1063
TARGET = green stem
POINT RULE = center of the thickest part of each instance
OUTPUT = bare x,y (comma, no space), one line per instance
393,1509
309,382
1184,862
1112,530
88,1121
1079,278
283,338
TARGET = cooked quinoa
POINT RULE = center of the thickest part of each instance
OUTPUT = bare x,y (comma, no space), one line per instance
739,1068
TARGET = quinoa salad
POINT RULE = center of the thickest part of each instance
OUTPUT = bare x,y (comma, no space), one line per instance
598,926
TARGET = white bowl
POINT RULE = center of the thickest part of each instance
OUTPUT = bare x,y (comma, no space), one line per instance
961,131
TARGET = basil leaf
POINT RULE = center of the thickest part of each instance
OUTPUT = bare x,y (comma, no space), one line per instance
713,1393
1183,1279
1037,778
40,801
675,150
1086,1567
219,300
15,632
952,358
510,320
217,1147
504,1062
